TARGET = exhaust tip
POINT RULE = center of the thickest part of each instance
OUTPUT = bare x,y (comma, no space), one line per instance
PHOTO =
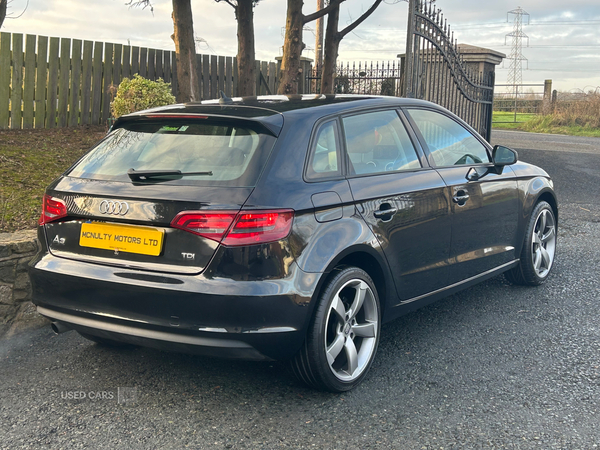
60,327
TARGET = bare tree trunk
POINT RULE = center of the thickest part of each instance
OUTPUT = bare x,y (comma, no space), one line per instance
292,48
185,48
332,44
246,53
3,5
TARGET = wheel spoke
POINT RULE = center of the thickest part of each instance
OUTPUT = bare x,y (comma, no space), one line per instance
335,348
542,221
545,256
548,236
338,307
536,238
537,260
366,330
352,356
359,298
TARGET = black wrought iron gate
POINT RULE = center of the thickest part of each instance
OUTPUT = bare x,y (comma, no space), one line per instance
436,71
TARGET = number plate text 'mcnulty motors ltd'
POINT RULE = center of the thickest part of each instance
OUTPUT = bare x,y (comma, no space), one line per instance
124,238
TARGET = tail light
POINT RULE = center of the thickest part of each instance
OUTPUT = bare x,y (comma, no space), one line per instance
237,228
212,225
52,209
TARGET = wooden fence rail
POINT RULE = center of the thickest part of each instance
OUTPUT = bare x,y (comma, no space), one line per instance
57,82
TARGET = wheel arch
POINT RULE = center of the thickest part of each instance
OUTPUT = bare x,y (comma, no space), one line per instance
549,197
366,258
534,190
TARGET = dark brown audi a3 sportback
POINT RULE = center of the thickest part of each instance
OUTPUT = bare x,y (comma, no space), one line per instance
284,228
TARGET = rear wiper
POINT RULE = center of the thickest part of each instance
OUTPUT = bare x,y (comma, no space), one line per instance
141,175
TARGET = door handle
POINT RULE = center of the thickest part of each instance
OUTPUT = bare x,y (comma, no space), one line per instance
461,197
385,212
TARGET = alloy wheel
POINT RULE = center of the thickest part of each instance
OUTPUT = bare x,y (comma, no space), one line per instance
351,333
543,243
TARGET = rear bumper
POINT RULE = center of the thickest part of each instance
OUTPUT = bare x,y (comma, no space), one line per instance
218,317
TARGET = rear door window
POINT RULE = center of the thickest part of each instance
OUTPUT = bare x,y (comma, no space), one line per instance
223,153
378,142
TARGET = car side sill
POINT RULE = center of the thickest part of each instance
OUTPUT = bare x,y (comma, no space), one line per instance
140,332
457,286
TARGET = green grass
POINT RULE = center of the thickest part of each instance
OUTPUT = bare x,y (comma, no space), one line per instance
29,161
506,120
539,124
546,124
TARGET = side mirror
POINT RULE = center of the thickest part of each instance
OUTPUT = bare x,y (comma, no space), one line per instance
504,156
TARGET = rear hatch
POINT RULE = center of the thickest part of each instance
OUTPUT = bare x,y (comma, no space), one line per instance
157,194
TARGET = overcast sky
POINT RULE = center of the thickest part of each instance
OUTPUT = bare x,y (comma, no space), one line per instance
564,36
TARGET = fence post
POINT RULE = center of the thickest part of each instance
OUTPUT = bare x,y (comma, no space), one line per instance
546,102
29,81
41,82
64,74
5,39
205,77
228,76
52,90
214,93
220,75
17,82
96,83
86,82
74,100
107,81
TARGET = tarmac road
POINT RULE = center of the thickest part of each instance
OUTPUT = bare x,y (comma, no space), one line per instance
495,366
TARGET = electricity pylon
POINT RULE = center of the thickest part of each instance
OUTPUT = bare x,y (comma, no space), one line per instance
515,70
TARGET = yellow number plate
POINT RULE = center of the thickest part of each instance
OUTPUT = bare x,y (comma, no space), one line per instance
124,238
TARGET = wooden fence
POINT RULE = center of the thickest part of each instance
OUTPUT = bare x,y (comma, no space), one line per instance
57,82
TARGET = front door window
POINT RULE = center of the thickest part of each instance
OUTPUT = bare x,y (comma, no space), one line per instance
449,143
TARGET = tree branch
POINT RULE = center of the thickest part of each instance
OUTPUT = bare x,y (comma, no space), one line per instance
228,2
360,20
322,12
135,3
143,3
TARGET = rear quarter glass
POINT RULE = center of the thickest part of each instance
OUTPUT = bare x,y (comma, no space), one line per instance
229,154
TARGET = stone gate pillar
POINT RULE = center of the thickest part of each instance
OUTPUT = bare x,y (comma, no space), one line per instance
479,59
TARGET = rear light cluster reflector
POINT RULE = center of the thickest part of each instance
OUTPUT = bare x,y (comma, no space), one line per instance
234,228
52,209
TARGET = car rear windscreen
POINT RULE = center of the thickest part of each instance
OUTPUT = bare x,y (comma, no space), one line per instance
207,153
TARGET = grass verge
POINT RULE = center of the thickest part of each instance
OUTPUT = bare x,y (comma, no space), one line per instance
540,124
548,124
29,161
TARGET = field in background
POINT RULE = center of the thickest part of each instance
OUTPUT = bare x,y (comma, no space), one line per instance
573,115
506,120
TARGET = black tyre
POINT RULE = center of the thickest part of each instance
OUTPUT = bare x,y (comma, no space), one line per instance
539,248
343,335
103,341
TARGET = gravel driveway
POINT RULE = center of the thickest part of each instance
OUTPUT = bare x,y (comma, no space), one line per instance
495,366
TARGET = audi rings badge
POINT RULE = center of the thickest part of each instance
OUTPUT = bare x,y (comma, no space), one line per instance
114,208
